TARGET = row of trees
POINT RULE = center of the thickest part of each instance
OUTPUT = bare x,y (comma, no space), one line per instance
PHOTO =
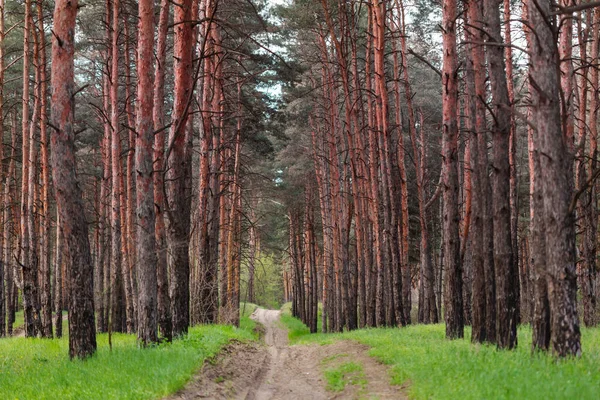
145,205
378,137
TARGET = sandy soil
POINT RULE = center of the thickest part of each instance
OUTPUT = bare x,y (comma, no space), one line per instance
275,370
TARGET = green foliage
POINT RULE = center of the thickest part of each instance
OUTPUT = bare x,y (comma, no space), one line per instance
19,320
268,285
296,329
436,368
247,324
346,373
40,368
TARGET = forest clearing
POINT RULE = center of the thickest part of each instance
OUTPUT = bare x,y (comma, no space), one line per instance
273,199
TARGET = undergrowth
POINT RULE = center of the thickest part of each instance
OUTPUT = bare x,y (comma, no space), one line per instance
436,368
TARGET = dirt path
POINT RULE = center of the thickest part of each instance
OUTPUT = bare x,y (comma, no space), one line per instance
276,370
291,373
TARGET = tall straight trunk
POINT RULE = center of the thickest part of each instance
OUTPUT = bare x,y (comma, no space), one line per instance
159,120
45,256
589,272
100,250
224,223
128,190
556,185
209,97
31,272
323,180
28,248
428,312
252,254
504,260
406,275
383,311
116,177
82,332
232,307
541,306
103,275
453,293
10,226
512,154
58,278
372,292
475,87
147,316
214,205
177,208
4,179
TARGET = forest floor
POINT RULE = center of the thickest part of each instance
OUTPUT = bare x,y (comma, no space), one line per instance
275,370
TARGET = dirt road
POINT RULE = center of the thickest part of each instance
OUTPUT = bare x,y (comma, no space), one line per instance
275,370
291,373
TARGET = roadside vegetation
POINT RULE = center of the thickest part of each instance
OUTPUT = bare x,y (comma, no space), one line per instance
40,369
432,367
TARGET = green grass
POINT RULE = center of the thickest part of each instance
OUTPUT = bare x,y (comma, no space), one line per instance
436,368
346,373
246,324
19,320
40,369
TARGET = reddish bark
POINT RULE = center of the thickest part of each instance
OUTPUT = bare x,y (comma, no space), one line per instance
4,180
146,245
453,268
45,255
178,211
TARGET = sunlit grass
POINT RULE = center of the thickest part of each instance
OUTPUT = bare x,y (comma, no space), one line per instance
344,374
436,368
40,368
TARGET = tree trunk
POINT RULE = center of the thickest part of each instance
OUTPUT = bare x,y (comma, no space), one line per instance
163,301
512,156
116,302
453,293
590,246
475,85
555,167
82,332
504,261
45,279
178,211
147,318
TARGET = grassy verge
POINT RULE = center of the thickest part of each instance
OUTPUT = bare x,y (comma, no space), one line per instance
40,369
344,374
247,324
436,368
